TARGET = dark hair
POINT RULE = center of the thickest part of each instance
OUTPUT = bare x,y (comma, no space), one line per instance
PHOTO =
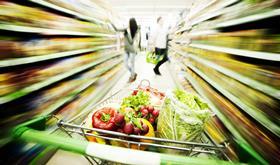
133,27
158,19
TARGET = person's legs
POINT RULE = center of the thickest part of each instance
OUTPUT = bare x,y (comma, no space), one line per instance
126,61
165,58
131,60
132,63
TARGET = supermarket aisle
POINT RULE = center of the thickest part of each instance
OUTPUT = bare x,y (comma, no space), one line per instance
145,71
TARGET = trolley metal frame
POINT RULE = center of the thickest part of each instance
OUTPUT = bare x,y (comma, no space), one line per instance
189,148
94,152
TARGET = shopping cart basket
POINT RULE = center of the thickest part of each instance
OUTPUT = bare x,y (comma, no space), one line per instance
100,153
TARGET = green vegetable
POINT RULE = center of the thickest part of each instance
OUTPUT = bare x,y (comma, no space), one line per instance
136,101
153,58
137,122
190,100
182,117
131,117
193,102
105,117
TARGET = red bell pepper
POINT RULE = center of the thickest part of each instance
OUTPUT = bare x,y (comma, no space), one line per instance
105,119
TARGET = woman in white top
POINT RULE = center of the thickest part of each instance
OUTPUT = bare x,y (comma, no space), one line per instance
160,42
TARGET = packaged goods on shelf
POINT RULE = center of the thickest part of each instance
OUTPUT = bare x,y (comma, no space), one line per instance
44,102
248,69
18,79
255,134
82,8
43,19
37,47
231,58
49,61
30,152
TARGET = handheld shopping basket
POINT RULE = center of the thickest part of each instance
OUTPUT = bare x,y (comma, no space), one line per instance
100,153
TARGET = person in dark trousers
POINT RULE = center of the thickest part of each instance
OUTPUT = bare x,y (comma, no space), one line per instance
160,42
131,46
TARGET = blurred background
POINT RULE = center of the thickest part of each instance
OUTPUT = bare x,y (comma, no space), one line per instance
61,57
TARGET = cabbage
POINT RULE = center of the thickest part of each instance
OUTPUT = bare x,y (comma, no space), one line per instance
182,117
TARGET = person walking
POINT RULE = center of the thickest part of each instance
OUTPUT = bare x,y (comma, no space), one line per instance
160,43
131,46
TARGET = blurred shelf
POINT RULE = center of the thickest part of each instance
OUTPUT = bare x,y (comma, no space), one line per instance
94,98
183,29
200,8
246,80
192,34
74,13
192,21
98,96
46,31
258,116
219,10
37,86
251,18
240,52
27,60
170,68
237,136
77,91
200,33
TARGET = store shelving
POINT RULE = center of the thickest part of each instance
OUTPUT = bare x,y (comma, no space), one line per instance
27,60
57,55
74,13
90,82
235,69
240,52
250,18
246,80
259,116
37,86
58,108
218,10
200,7
45,31
207,11
238,137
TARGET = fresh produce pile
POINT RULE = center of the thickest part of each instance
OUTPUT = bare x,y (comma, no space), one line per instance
182,117
134,115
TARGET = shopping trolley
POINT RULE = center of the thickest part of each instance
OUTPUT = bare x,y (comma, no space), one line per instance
79,135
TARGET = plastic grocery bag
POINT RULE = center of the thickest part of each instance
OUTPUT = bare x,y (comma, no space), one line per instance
183,121
151,57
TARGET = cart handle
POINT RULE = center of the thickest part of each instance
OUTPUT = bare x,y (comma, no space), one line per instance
106,152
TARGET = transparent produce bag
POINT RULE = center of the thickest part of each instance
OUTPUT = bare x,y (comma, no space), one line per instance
182,118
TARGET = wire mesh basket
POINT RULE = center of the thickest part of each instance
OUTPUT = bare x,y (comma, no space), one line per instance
77,125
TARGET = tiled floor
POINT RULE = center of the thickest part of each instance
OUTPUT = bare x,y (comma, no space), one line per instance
144,71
